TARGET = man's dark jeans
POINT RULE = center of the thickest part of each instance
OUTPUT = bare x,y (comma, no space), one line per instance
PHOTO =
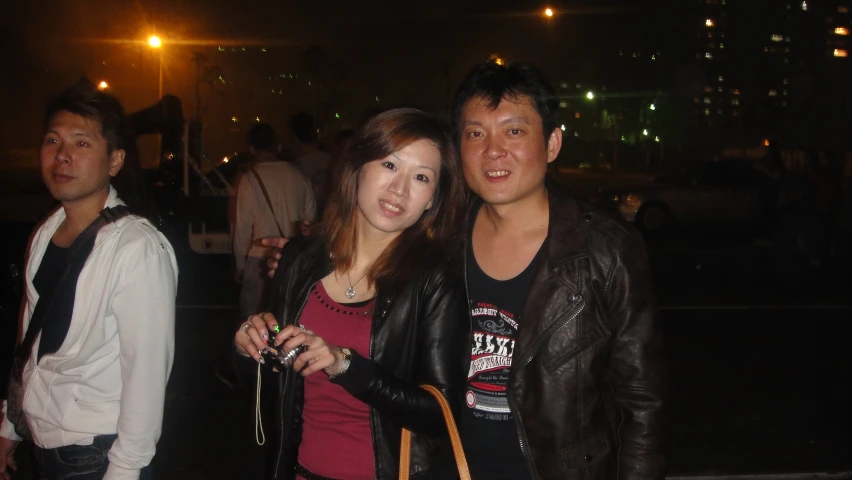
79,462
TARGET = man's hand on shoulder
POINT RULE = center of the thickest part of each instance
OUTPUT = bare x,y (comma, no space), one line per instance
277,243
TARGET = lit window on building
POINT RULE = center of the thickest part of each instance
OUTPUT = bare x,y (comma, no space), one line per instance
708,56
843,9
221,48
707,111
721,78
721,45
805,6
841,31
735,101
707,100
709,22
653,57
576,114
263,49
696,100
776,38
787,39
563,104
721,89
773,93
708,89
785,82
766,49
784,93
735,91
839,52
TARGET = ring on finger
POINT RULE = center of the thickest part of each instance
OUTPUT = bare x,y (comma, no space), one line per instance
245,327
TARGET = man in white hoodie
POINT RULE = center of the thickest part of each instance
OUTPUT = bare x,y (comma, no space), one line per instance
93,383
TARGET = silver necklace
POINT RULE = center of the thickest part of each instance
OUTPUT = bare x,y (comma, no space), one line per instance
350,292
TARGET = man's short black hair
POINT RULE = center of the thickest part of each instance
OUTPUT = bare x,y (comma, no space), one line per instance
303,127
261,137
493,82
84,99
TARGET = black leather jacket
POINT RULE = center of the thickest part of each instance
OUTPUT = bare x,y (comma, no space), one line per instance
418,334
587,378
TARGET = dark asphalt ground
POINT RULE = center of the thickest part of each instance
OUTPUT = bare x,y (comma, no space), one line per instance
757,346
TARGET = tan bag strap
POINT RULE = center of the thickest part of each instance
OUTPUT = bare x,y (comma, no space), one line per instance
405,448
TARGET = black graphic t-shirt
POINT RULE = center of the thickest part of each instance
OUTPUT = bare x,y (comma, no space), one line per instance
488,429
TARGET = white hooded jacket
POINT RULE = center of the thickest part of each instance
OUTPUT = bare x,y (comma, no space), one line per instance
109,376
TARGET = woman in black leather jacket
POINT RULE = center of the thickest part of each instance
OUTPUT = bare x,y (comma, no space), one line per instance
373,301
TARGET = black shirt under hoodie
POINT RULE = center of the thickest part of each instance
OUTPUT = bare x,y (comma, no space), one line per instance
50,270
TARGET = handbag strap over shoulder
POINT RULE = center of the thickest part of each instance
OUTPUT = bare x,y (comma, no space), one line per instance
268,200
455,440
81,245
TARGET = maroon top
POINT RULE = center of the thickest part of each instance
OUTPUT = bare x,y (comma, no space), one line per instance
337,441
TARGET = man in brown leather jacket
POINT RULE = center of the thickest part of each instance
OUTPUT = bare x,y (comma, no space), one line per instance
566,375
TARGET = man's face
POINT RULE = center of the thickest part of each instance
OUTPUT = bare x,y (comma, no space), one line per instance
75,164
503,150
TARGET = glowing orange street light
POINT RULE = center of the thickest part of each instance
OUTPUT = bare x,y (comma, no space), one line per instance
155,42
103,85
548,12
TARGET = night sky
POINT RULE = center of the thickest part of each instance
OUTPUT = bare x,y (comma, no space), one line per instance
363,55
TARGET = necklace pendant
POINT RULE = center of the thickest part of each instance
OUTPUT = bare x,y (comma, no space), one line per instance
350,292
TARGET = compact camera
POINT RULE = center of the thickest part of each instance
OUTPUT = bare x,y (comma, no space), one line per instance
282,357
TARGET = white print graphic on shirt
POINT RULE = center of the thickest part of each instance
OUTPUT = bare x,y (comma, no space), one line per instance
491,358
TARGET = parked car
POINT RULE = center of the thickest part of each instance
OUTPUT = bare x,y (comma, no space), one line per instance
711,193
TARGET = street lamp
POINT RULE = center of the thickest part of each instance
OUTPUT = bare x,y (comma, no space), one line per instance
103,85
590,95
548,12
155,42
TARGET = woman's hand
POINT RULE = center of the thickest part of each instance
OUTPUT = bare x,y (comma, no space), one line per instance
252,338
318,356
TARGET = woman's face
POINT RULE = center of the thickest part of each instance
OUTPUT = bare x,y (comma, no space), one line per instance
393,192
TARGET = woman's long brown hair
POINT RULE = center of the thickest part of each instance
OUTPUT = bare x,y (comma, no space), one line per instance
380,136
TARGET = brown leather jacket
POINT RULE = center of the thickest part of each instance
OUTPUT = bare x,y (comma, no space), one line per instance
587,378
